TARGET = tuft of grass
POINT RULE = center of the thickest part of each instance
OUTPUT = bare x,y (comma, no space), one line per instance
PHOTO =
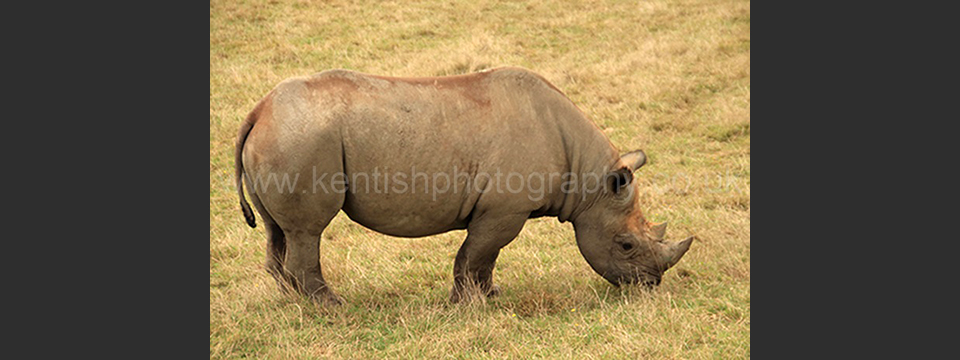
669,77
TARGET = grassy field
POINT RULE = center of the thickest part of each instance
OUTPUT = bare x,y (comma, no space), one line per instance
669,77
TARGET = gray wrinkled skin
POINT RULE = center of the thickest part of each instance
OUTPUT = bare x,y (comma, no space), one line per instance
506,120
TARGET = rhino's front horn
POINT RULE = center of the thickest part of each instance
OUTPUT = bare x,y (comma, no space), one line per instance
659,230
675,251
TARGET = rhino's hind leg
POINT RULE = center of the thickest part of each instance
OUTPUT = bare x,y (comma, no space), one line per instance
302,227
473,266
276,251
276,246
302,265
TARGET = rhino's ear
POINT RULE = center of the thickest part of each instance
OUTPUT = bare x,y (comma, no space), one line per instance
634,159
618,179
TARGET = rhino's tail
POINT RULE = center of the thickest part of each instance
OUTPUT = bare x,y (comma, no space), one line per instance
238,162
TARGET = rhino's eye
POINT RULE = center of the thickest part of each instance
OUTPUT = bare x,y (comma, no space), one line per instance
627,246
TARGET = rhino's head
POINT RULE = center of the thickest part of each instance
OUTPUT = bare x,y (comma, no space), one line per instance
617,242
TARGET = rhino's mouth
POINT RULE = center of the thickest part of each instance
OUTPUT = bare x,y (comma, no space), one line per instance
638,277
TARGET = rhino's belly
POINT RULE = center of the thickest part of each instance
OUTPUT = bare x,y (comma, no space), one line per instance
406,216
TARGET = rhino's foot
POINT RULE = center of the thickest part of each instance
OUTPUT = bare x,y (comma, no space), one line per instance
464,296
326,298
494,291
467,294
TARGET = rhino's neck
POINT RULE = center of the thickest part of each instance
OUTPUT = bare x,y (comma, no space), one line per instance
590,156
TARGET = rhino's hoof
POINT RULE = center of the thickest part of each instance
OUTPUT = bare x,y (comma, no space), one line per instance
494,291
472,294
327,299
455,296
464,295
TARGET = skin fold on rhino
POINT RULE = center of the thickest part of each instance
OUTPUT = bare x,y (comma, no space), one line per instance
509,146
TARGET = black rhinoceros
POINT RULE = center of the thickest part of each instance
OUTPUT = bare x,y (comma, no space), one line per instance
482,152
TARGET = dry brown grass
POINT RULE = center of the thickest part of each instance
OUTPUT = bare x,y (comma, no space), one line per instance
669,77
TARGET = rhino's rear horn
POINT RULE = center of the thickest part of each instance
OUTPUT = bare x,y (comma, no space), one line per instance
659,230
675,251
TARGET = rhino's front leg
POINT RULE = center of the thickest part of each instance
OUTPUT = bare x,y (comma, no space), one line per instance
473,267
